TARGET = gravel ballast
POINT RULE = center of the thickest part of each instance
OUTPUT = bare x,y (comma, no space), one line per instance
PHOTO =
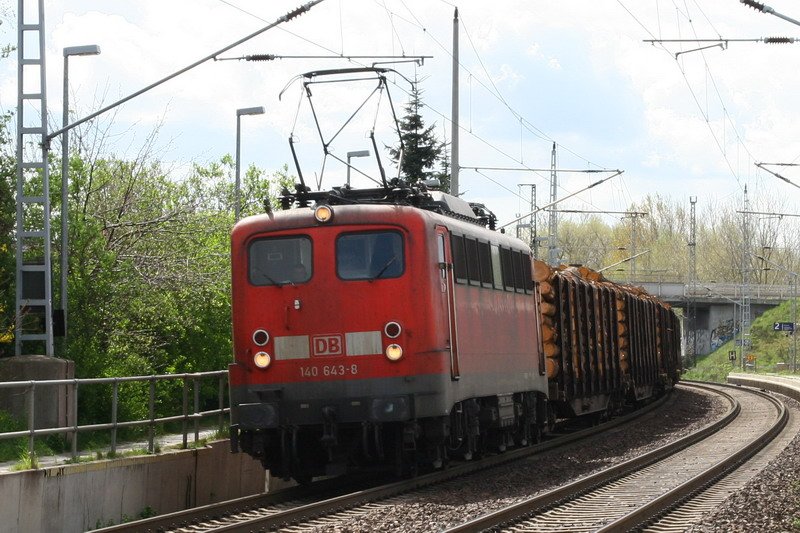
770,502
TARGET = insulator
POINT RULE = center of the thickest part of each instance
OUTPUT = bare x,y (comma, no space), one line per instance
296,13
758,6
260,57
779,40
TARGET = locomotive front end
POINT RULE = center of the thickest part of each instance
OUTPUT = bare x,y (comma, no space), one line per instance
332,338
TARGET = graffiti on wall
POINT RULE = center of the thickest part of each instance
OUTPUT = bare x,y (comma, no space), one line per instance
724,332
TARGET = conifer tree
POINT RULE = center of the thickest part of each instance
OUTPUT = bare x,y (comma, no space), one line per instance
422,150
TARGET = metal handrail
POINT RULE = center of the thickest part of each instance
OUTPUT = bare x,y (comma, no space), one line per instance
151,421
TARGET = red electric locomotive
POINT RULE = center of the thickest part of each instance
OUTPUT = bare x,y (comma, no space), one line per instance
387,326
394,326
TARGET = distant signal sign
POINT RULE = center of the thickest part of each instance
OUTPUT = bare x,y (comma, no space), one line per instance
783,326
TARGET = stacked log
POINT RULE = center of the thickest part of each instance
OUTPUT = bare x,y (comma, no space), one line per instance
543,275
622,333
600,337
546,276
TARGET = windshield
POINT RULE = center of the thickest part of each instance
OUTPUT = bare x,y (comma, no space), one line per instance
281,260
369,255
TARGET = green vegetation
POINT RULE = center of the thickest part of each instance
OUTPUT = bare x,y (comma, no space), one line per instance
17,448
149,275
7,224
27,461
147,512
772,350
99,525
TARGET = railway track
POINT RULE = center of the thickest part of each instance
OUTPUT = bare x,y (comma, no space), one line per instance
664,490
297,504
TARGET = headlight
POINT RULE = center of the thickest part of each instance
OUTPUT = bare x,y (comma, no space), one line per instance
262,359
392,330
323,213
260,337
394,352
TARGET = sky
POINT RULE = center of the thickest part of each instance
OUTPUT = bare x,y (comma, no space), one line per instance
532,73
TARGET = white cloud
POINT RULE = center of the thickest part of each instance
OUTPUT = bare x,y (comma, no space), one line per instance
554,64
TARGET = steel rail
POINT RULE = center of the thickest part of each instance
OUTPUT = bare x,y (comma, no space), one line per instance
313,510
588,483
702,481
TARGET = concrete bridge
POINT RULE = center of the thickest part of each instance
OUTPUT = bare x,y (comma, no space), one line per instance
678,294
718,307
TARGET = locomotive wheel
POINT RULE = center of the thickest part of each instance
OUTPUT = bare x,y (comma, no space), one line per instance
536,434
405,460
303,478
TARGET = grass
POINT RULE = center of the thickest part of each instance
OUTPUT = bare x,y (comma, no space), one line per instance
202,442
27,461
10,449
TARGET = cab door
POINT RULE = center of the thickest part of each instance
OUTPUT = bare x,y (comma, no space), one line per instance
447,287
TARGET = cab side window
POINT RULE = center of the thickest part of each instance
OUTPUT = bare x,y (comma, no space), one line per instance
491,266
459,258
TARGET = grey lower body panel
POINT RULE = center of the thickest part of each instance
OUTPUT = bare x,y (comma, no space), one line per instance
395,399
372,400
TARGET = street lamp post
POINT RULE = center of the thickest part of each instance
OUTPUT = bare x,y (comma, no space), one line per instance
357,153
86,50
239,112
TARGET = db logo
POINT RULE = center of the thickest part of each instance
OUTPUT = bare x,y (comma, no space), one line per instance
327,345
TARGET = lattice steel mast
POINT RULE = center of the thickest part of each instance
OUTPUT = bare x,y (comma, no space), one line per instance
530,226
745,327
34,296
552,228
692,307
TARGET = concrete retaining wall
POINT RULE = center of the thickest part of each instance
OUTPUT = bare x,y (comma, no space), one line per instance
101,493
787,386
